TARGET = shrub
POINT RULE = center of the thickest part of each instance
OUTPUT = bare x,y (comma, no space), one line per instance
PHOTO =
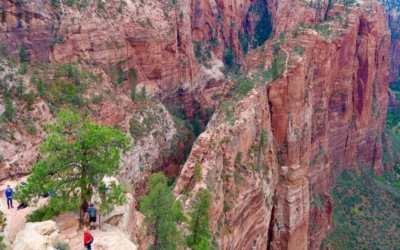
55,3
355,211
61,245
100,5
70,3
229,57
125,186
31,130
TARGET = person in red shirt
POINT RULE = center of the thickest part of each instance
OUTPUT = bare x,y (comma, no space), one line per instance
87,239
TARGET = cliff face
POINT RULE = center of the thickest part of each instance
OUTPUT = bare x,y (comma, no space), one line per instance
269,158
155,38
393,13
326,113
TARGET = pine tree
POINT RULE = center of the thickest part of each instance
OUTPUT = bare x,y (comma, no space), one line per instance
132,79
20,87
200,236
9,111
3,16
143,93
40,87
22,54
162,213
120,80
196,126
275,73
77,152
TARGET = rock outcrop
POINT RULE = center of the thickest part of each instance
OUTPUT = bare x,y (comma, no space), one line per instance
37,236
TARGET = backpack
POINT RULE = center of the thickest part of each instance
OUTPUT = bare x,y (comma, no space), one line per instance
92,212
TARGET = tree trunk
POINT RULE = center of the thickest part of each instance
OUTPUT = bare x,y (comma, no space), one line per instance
82,210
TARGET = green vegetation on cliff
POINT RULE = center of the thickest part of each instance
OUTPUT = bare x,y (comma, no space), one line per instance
164,215
366,211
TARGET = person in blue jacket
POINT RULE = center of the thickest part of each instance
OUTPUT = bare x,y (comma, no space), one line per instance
9,193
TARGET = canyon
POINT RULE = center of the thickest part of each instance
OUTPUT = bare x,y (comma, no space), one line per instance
269,155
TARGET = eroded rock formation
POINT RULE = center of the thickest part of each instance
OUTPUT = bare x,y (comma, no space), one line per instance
269,158
327,112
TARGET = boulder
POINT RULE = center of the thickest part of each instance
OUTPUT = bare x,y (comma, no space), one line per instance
37,236
112,241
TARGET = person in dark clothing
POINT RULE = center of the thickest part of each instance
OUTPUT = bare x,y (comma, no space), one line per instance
9,193
22,206
92,216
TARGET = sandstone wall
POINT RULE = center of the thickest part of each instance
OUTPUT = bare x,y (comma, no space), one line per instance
327,112
269,159
393,13
154,38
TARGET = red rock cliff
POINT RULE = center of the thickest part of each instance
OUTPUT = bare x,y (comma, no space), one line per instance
325,111
269,159
393,13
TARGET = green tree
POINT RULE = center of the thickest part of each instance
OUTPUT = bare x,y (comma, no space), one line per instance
9,111
229,56
196,126
275,73
22,54
30,97
77,153
120,80
162,212
20,87
3,16
40,87
199,224
3,51
143,93
3,224
132,79
55,3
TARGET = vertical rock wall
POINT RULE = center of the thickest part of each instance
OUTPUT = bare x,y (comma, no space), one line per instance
327,113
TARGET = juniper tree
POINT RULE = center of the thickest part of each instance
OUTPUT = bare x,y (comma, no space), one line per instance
199,223
76,153
162,213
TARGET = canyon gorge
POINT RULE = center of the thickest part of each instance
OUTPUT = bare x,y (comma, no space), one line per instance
272,99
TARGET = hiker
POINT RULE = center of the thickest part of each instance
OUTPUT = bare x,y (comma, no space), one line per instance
22,205
92,216
87,239
9,194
